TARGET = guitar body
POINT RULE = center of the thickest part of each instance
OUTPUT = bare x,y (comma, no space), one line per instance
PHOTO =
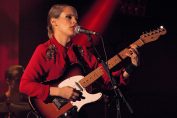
56,107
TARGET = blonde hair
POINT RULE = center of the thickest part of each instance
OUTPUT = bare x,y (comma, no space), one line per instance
55,12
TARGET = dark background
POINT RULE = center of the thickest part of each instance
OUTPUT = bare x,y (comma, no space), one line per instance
152,91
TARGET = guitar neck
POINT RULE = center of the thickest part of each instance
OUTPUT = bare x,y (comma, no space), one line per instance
94,75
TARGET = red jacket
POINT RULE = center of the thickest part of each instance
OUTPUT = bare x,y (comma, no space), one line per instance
41,68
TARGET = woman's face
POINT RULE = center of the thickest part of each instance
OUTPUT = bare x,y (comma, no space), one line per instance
66,22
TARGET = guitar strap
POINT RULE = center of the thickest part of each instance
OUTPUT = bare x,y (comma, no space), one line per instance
78,50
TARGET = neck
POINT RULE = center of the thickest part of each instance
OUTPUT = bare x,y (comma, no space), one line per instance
62,39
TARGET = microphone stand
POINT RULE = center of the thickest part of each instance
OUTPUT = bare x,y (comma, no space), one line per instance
117,91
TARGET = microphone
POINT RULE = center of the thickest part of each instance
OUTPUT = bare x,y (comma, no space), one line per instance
79,29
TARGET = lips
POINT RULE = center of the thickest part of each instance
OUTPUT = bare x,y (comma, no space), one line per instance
72,28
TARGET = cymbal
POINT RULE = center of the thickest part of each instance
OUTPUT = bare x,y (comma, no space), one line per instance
3,107
12,107
20,107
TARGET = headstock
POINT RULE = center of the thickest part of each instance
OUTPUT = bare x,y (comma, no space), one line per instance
153,35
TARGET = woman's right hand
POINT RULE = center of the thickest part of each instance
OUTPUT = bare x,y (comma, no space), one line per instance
66,92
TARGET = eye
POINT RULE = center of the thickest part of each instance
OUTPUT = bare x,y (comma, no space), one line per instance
69,17
76,18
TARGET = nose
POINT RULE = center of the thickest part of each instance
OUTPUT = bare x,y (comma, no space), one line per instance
74,21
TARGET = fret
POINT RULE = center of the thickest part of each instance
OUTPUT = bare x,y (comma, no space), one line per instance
122,53
90,78
114,61
139,42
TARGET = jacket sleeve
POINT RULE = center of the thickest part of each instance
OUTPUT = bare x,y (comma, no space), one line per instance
32,76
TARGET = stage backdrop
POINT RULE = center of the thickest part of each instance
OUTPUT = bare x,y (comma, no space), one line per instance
9,37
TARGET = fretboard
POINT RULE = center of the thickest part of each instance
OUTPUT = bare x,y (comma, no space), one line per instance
94,75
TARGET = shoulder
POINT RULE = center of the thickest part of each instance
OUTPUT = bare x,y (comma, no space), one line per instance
40,51
42,48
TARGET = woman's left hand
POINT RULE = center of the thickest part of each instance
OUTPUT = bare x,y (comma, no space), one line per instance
133,54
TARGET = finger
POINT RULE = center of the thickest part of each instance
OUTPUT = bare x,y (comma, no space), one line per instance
129,53
74,97
135,47
76,94
80,95
133,51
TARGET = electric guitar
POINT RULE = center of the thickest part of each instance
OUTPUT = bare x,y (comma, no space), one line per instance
56,107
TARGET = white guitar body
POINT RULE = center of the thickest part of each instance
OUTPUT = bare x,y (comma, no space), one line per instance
74,83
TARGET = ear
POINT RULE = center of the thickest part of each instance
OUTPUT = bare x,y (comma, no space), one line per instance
53,22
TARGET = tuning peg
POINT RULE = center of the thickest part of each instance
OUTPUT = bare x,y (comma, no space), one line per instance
153,31
148,33
157,30
144,34
161,27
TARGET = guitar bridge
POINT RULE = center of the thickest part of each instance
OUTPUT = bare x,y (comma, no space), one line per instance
69,113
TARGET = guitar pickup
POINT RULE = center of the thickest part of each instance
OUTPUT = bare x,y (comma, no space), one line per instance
59,102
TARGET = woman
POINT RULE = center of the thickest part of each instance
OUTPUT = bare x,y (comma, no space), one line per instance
52,58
